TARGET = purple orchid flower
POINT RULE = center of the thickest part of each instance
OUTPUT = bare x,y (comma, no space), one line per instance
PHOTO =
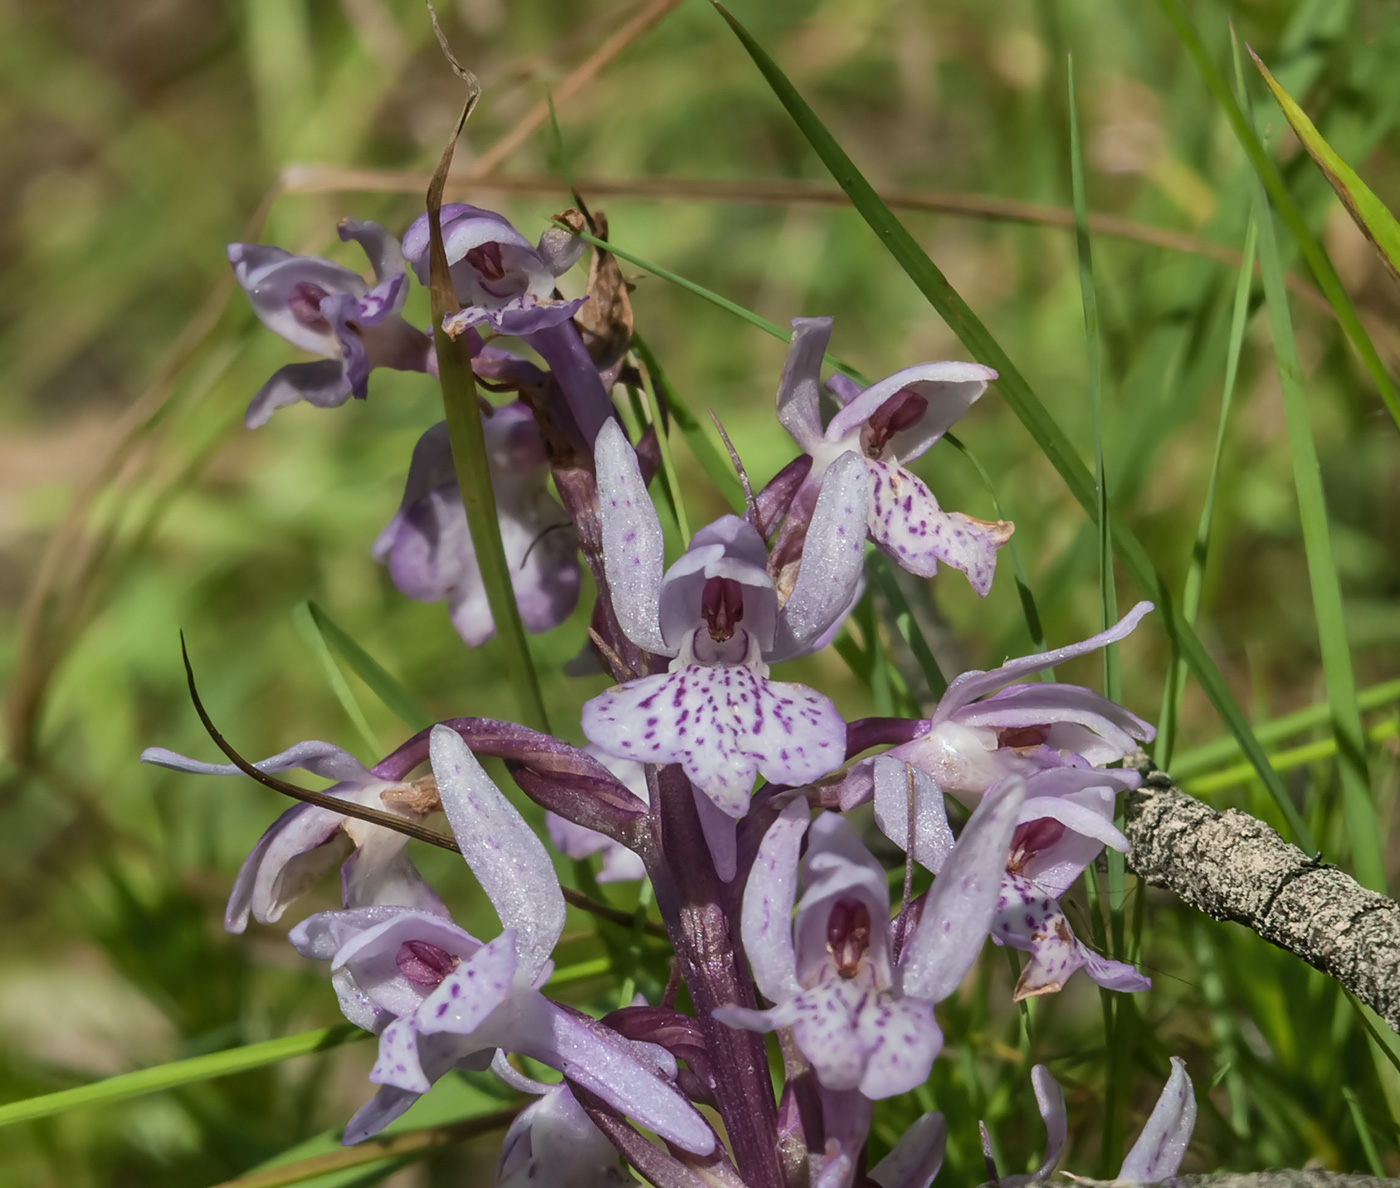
1064,823
861,1014
717,613
888,425
330,311
1159,1149
505,283
620,864
438,998
553,1141
428,549
978,735
497,275
307,841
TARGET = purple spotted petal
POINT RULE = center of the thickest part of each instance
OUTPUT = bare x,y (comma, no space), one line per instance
961,904
634,552
769,895
722,725
397,1064
799,408
949,388
464,999
833,560
504,853
915,1160
895,784
1158,1152
907,523
825,1025
974,684
900,1039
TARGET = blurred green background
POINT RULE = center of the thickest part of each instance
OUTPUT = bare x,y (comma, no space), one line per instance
136,140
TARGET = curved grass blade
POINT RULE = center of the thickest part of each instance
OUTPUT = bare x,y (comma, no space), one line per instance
1367,211
1204,758
1288,211
181,1072
905,623
1313,752
1051,439
307,628
1359,810
1200,551
381,683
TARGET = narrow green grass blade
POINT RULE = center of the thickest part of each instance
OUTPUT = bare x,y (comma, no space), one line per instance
1051,439
181,1072
905,623
1094,372
706,452
1275,730
1363,1132
1362,827
1288,211
379,680
1367,211
307,629
668,465
1200,552
1313,752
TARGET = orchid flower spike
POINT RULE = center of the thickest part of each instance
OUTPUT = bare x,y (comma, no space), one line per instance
620,864
307,841
978,735
438,998
889,425
861,1016
716,613
332,312
428,548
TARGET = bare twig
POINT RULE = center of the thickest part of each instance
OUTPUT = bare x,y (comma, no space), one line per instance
1233,867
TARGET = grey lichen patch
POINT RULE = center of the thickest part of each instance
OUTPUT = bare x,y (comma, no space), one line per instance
1234,867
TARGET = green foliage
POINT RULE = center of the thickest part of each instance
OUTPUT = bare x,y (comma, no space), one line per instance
135,155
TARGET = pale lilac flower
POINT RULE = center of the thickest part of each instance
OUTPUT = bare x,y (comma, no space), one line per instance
861,1016
498,276
576,841
553,1142
428,548
888,425
1157,1154
307,841
978,736
332,312
439,998
717,614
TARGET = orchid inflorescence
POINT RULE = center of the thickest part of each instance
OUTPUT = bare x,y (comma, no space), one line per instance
778,912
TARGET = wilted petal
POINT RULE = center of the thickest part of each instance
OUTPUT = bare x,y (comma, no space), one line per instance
915,1160
974,684
895,784
769,895
906,521
959,908
504,853
799,391
833,559
1158,1152
900,1040
634,555
722,725
949,388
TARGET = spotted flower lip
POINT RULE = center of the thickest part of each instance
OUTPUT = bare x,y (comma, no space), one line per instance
889,424
427,546
438,998
332,312
864,1019
307,840
716,613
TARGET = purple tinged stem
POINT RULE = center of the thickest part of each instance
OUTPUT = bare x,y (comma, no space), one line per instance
692,902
